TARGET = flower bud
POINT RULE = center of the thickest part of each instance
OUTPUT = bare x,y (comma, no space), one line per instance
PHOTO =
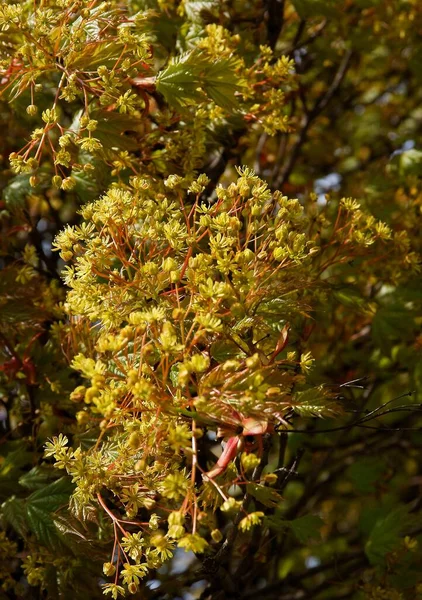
78,394
238,310
56,181
249,461
176,532
177,314
32,163
270,478
84,120
153,521
92,125
252,361
109,569
32,110
68,184
216,535
132,588
82,417
65,140
140,465
134,440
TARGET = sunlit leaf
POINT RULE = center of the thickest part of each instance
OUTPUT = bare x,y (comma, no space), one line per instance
185,80
265,495
316,402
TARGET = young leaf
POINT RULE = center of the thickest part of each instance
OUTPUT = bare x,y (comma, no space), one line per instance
223,350
112,128
179,82
221,83
315,402
265,495
95,55
183,82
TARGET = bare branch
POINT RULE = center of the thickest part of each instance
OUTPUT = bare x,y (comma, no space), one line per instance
309,117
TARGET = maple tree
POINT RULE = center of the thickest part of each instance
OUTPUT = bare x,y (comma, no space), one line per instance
210,308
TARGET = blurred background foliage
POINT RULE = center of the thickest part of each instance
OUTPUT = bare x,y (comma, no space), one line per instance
318,97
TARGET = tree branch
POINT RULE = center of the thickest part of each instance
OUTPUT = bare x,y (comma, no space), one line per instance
309,117
274,20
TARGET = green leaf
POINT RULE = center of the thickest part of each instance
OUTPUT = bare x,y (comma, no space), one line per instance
199,10
306,528
71,527
221,83
111,130
39,508
374,510
386,535
185,80
15,193
350,297
411,162
86,439
179,82
315,402
13,512
36,478
417,378
225,350
276,523
21,84
89,186
53,496
14,313
11,469
389,324
265,495
42,525
16,458
80,538
174,374
365,473
94,55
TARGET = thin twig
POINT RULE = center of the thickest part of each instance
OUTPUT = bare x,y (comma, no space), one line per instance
309,117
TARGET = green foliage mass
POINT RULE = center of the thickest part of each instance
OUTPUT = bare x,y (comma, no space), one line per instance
210,300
